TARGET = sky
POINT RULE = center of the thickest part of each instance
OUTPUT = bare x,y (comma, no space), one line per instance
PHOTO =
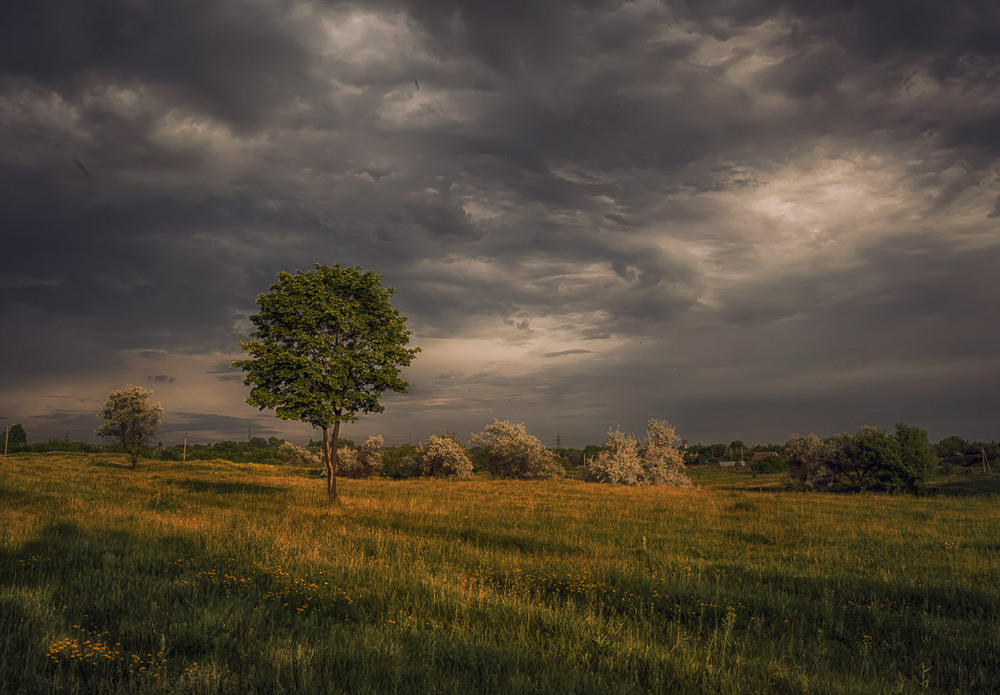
751,218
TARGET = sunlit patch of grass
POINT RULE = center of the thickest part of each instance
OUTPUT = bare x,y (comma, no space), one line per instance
234,578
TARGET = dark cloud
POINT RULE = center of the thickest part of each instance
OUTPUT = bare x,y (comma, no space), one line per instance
748,217
236,62
561,353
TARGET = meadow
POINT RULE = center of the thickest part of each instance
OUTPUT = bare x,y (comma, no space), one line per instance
216,577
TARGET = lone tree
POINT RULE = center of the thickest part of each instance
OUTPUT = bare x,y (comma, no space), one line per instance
14,437
328,344
130,420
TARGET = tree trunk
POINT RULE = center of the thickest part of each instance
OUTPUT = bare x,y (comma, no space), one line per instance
330,458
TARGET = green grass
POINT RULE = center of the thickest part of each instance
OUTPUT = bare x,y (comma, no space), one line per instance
214,577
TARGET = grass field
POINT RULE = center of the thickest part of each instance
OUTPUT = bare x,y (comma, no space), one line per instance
240,578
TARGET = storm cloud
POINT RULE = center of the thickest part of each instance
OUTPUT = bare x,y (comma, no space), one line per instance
750,218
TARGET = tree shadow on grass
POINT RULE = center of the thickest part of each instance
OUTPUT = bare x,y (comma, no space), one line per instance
115,588
101,463
967,486
525,543
227,488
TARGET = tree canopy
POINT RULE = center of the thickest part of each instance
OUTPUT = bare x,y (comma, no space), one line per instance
130,420
328,343
15,436
870,459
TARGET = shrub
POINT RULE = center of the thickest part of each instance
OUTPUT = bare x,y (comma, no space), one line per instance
771,464
444,456
663,460
14,436
511,452
297,455
361,463
347,463
619,462
870,459
401,462
659,463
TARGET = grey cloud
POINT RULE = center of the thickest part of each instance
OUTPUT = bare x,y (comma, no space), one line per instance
562,353
578,164
238,62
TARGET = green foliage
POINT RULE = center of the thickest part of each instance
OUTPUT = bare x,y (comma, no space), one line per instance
917,459
130,420
15,436
510,452
770,464
238,452
953,446
706,453
870,459
399,462
52,445
328,343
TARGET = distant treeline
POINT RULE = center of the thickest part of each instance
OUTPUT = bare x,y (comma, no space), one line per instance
261,450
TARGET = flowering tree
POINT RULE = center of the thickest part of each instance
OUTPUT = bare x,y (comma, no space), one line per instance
445,456
513,453
297,455
130,420
364,462
622,462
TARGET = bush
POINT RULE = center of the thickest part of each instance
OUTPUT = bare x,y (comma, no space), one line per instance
401,462
771,464
659,463
870,459
511,452
361,463
445,456
620,462
297,455
14,436
63,445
